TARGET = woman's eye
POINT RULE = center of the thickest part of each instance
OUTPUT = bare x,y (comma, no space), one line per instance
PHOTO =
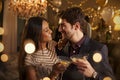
46,30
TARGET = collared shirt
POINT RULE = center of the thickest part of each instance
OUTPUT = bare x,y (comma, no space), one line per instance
74,49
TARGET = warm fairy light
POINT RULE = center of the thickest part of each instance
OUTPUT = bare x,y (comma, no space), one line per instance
116,19
43,1
97,57
60,21
4,57
1,31
28,8
98,8
1,47
117,27
107,78
29,46
55,4
46,78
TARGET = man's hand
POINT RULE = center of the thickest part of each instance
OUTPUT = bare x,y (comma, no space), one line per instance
84,67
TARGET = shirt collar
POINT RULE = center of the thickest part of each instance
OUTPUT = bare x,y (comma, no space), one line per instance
78,44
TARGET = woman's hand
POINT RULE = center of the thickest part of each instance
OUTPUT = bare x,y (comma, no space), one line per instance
58,68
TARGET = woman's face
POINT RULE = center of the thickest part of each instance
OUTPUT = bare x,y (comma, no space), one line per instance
46,32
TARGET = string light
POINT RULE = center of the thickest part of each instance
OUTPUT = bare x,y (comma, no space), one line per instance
28,8
1,47
29,46
4,57
1,31
97,57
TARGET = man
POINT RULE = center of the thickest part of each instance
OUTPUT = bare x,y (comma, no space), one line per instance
74,28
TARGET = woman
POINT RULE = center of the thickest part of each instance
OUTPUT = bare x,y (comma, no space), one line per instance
39,64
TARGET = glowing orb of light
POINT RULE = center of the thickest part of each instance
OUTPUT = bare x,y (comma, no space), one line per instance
97,57
1,47
60,21
117,27
1,31
29,46
116,19
4,57
46,78
107,78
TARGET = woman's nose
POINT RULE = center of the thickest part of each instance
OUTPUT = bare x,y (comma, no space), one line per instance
50,31
60,28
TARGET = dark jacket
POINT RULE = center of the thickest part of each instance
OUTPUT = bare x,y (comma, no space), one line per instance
88,48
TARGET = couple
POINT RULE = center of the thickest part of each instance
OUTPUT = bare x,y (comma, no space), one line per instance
44,61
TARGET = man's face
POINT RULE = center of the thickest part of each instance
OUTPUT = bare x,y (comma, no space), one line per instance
66,29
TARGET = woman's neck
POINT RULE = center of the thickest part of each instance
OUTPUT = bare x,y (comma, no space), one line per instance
43,46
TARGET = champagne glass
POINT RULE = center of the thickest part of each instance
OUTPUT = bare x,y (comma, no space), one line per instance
74,58
65,61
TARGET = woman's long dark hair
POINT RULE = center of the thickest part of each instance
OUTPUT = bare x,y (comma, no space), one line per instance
32,31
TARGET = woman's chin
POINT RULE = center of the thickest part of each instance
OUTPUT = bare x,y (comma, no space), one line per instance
50,39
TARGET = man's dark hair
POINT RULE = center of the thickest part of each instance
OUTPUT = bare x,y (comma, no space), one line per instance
73,15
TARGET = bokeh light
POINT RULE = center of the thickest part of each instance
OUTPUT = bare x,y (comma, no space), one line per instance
60,21
4,57
116,19
117,27
97,57
107,78
1,47
46,78
1,31
29,46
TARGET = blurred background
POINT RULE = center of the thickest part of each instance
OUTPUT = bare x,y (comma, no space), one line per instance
102,15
